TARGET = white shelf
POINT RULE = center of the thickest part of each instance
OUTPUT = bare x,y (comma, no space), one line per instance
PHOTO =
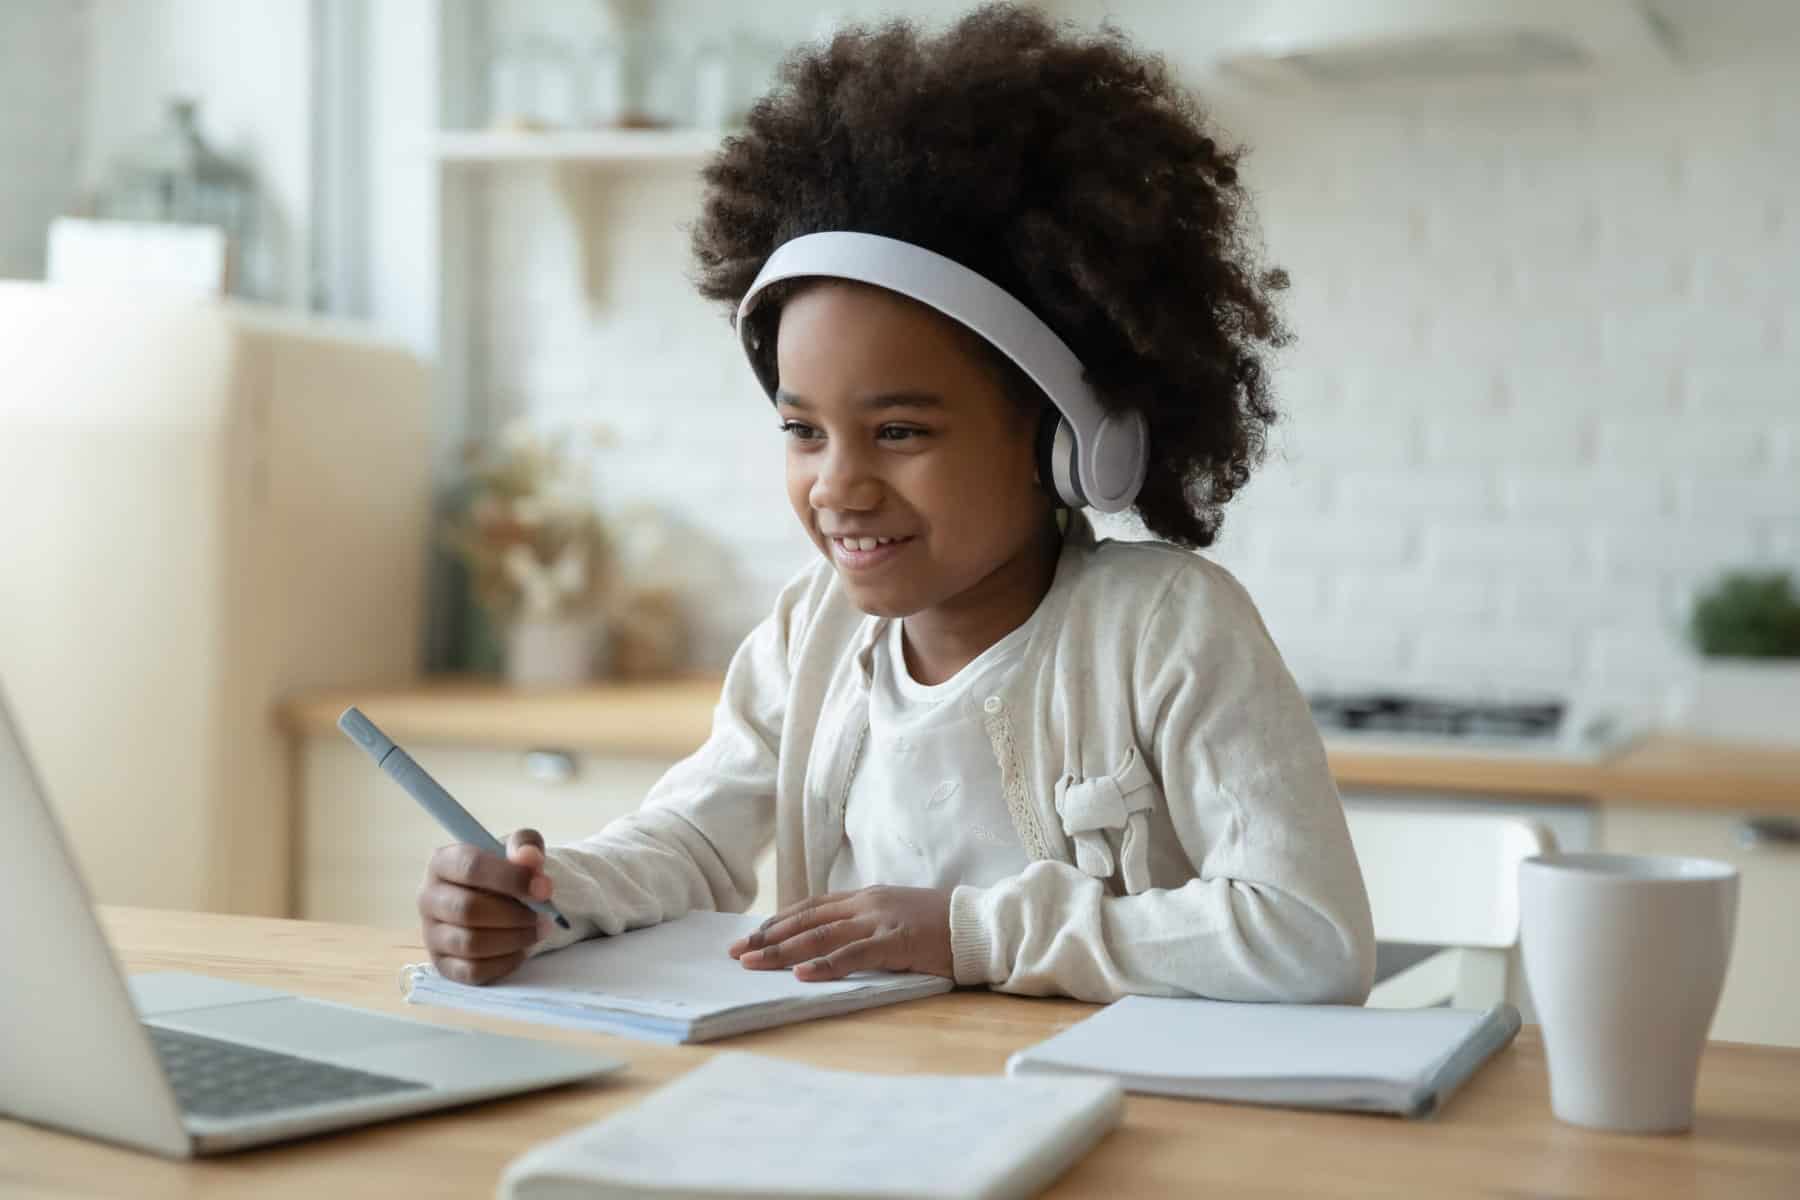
596,146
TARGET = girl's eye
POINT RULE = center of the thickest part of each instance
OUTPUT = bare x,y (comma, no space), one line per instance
800,431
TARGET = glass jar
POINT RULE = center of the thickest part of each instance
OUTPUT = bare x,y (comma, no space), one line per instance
609,89
661,88
509,94
533,83
173,175
558,105
714,103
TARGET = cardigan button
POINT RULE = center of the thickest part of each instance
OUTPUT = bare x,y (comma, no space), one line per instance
993,704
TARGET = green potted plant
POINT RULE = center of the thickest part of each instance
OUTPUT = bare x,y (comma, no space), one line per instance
1746,684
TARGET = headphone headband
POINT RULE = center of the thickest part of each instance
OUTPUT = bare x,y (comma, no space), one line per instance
1109,453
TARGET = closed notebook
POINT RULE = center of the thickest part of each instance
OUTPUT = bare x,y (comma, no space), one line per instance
1403,1061
745,1125
672,982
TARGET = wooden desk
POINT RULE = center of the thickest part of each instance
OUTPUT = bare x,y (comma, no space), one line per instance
1496,1137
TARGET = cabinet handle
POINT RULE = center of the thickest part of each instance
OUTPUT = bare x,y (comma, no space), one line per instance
1769,833
550,766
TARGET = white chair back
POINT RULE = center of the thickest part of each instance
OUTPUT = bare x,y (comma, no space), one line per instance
1451,880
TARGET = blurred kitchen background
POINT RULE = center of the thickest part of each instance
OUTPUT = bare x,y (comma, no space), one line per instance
1544,401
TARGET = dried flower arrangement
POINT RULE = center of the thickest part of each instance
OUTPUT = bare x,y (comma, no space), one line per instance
530,534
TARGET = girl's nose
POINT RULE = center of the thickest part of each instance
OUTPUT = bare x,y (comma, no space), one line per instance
845,482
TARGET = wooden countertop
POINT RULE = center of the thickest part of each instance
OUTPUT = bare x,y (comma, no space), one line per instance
671,718
1663,769
1495,1137
665,717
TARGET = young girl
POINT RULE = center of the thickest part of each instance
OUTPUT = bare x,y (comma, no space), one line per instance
986,278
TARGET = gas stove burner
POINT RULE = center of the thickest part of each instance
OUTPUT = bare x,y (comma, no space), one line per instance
1381,712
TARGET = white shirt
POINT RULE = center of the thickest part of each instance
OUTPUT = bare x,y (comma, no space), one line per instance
1159,764
925,807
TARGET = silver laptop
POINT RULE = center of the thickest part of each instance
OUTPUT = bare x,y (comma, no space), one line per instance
183,1064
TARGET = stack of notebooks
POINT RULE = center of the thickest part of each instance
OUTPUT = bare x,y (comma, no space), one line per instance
1401,1061
673,982
745,1125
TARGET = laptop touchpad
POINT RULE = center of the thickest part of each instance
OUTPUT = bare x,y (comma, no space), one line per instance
295,1026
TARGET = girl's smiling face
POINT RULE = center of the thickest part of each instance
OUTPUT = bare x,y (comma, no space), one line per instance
900,429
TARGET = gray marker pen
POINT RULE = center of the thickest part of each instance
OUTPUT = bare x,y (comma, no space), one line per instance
430,794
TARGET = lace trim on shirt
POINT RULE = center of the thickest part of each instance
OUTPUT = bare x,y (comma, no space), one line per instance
843,797
1012,786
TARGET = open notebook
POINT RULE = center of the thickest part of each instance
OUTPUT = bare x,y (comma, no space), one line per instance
746,1125
1299,1055
672,982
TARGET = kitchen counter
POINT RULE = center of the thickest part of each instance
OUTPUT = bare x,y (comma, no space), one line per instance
673,717
661,718
1663,768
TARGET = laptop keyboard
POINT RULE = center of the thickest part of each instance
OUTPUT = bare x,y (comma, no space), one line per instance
214,1078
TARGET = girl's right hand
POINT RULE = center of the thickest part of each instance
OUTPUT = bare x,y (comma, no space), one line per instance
476,927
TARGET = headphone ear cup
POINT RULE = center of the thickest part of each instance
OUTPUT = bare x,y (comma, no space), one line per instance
1065,458
1056,459
1043,450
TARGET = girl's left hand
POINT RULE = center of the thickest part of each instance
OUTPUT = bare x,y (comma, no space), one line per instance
873,928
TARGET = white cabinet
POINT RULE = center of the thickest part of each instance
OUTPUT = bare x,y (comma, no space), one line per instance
1761,1002
364,844
208,506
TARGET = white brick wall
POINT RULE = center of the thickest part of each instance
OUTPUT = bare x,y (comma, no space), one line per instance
1559,325
597,320
42,49
1547,376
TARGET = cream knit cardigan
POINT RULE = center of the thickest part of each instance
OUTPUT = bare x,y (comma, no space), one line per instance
1161,768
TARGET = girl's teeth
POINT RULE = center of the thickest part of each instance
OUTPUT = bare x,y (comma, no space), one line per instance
865,544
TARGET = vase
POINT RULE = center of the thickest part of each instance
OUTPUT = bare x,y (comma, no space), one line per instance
1741,700
554,651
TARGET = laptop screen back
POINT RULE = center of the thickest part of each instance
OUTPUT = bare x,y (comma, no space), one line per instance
73,1054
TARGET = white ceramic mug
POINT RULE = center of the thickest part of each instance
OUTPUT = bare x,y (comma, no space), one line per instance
1625,955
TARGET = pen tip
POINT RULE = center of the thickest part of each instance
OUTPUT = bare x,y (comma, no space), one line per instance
563,921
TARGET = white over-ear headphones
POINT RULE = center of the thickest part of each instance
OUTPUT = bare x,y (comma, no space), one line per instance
1096,458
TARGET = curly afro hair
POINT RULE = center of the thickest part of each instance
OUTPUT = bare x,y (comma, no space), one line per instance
1069,169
